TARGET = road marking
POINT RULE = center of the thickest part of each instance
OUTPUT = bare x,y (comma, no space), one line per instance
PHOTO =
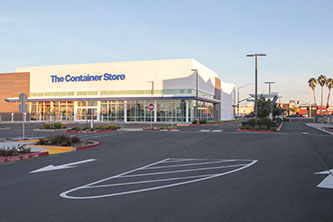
150,181
147,183
205,131
61,167
181,171
190,164
304,133
217,131
328,181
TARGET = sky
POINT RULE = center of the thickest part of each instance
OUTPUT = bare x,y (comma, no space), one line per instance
297,37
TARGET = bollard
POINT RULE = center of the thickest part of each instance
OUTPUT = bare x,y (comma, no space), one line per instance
12,114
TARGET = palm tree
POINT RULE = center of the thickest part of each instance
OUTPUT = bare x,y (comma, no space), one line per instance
313,83
322,82
329,84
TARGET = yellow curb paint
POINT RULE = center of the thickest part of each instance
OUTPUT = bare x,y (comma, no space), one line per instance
180,124
56,151
63,148
25,141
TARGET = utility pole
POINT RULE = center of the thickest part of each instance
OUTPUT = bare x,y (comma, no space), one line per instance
256,82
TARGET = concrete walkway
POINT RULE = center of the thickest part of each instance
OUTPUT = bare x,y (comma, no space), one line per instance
320,126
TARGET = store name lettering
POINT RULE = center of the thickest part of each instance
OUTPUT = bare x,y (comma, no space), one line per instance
88,78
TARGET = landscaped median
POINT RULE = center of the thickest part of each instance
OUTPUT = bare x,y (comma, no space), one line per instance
21,150
206,123
97,129
163,128
262,125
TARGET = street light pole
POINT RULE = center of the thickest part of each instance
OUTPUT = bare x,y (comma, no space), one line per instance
269,86
238,96
256,82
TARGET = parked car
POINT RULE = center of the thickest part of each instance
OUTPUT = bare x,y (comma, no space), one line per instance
293,116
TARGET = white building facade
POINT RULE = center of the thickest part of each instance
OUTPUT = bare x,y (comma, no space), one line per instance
180,90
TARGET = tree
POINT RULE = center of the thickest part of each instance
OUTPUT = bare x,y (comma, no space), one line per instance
264,107
277,110
329,84
322,82
312,84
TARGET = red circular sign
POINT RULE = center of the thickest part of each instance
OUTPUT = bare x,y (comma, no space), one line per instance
151,107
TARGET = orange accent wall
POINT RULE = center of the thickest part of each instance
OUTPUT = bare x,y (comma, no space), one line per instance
12,85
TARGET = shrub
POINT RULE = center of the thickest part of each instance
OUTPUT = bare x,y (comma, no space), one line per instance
76,128
203,121
47,126
195,121
61,140
247,127
57,125
273,128
256,127
75,140
14,151
264,127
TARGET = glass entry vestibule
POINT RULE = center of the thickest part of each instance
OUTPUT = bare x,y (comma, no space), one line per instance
166,110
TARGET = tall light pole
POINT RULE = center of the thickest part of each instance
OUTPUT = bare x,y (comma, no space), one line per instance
256,82
269,86
238,97
196,91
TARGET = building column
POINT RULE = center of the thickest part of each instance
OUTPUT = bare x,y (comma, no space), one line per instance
186,111
98,110
51,111
125,111
75,110
155,111
192,111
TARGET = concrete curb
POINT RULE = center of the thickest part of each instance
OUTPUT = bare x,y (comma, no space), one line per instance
4,128
95,144
280,127
259,131
94,131
216,124
23,157
162,130
48,130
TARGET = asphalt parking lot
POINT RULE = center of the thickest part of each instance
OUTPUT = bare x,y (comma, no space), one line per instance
189,175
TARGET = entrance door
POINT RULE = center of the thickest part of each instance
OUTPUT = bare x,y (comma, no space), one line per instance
86,113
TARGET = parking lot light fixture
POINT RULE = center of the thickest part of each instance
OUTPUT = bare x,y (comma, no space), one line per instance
256,82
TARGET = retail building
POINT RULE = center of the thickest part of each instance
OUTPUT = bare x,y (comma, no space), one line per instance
179,89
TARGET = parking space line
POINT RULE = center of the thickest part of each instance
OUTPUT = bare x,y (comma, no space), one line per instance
181,171
128,190
150,181
189,164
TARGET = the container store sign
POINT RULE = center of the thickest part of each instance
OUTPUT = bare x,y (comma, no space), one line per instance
87,78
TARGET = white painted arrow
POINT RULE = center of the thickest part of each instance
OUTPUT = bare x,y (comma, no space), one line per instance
328,181
61,167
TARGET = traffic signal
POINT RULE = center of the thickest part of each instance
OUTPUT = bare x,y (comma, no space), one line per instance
307,108
297,102
326,106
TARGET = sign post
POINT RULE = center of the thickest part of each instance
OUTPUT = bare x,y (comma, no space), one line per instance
23,98
151,108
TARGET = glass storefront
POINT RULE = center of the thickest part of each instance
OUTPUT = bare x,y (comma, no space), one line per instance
166,110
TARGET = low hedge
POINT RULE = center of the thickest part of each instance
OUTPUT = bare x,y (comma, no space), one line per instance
56,125
60,140
20,149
